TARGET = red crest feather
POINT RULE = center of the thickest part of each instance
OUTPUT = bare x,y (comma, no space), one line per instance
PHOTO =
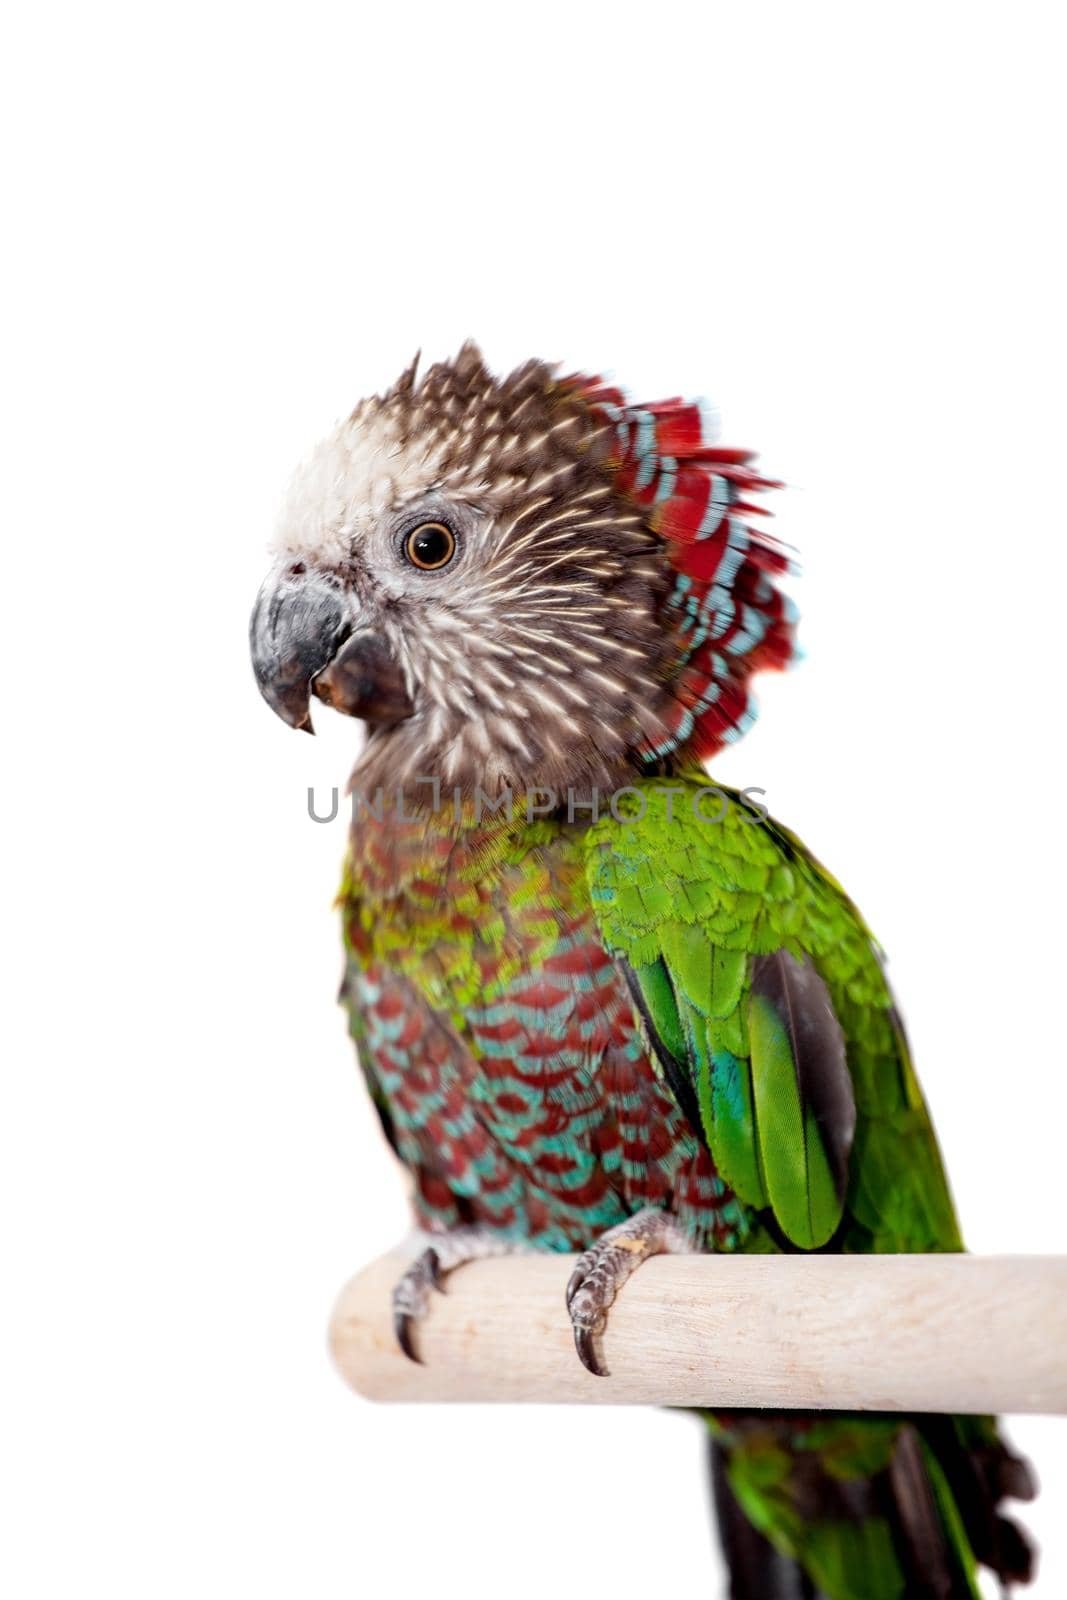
730,617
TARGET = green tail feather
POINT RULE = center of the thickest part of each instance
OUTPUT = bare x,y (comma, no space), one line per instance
863,1507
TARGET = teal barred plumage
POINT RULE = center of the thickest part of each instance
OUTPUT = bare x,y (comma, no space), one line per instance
583,1019
541,1113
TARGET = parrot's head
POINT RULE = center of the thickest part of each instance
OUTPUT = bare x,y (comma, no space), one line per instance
520,582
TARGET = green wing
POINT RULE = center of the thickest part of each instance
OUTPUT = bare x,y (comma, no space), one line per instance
767,1013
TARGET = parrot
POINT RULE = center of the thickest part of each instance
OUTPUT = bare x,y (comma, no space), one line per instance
602,1005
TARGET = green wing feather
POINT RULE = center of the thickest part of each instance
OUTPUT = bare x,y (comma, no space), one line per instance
799,1184
765,1004
804,1102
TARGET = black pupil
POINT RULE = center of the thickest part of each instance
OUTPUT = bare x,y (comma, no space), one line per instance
431,546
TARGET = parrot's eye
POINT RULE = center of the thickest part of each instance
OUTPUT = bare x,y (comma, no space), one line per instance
429,546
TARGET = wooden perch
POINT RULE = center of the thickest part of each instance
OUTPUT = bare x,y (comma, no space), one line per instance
882,1333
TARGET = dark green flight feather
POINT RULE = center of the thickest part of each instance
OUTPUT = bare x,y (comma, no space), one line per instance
805,1109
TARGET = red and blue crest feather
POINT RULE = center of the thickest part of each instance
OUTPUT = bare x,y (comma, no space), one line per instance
728,614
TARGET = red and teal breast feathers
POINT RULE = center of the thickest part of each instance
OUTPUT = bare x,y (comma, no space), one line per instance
501,1044
563,1024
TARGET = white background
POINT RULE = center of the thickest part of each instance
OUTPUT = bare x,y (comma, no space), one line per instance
227,223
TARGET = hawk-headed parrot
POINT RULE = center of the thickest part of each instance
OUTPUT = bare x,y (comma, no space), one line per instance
603,1005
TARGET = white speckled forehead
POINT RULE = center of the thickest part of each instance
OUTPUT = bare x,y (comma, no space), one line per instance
456,430
369,465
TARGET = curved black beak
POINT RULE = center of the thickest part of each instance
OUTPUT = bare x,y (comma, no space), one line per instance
306,638
298,622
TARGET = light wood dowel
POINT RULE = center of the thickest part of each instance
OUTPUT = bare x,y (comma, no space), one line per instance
884,1333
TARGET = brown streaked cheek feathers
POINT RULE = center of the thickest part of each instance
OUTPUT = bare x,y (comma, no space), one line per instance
545,669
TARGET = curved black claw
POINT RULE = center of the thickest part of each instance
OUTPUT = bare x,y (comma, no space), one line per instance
429,1270
410,1298
584,1343
575,1281
403,1322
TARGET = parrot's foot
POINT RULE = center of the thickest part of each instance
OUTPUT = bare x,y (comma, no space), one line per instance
604,1268
411,1297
